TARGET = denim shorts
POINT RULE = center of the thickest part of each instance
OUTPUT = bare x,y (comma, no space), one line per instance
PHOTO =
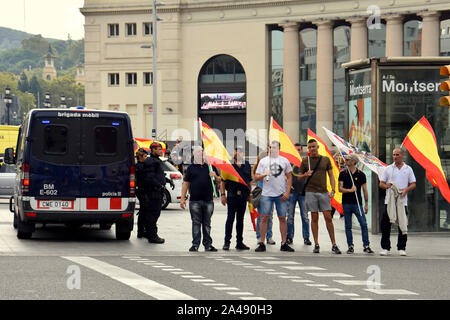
266,206
317,202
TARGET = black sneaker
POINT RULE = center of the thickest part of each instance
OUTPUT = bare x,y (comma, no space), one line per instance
242,246
261,247
289,241
307,242
335,250
226,246
156,239
350,250
211,249
193,249
368,250
316,249
285,247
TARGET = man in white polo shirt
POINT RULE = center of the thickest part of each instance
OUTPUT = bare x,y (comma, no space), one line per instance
403,177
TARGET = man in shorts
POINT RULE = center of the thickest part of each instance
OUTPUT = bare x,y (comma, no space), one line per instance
275,172
317,198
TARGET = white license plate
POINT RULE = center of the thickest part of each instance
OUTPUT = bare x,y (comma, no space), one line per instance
55,204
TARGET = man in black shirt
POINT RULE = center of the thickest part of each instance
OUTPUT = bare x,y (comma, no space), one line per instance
349,185
236,199
197,180
154,181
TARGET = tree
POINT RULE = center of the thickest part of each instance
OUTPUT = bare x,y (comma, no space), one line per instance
36,90
23,83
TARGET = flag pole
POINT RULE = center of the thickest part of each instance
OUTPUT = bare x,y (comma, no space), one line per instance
209,166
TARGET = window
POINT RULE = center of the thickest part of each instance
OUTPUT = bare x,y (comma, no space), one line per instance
131,79
113,79
148,28
113,30
148,78
131,29
55,140
105,141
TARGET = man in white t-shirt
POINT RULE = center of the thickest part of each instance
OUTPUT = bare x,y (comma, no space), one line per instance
276,173
403,176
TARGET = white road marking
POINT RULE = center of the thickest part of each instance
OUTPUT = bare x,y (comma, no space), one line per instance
181,272
347,294
252,298
264,269
358,282
260,258
172,269
275,273
316,285
215,284
240,293
226,288
290,277
302,281
203,280
331,289
333,275
281,262
163,266
391,291
131,279
303,268
193,277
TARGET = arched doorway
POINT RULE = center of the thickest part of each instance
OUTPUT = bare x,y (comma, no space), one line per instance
222,94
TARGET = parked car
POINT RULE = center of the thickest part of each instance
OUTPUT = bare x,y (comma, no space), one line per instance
7,180
171,195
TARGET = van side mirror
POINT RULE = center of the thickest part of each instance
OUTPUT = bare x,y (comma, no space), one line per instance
9,156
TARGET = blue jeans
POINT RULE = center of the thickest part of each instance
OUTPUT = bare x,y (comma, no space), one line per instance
349,209
266,206
295,198
201,212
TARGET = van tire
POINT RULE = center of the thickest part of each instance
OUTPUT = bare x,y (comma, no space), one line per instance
15,221
24,229
123,235
123,230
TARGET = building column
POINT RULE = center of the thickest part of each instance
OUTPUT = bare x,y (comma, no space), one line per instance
430,33
324,78
358,48
291,81
394,36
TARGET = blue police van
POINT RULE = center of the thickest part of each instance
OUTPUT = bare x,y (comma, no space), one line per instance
74,166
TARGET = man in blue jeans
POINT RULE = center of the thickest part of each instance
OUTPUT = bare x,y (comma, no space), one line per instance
275,172
297,197
350,186
197,180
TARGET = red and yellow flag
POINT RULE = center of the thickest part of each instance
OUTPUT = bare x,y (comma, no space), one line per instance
217,155
336,201
287,148
421,144
253,214
145,144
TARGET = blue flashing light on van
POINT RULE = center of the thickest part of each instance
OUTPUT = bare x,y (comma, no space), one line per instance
74,166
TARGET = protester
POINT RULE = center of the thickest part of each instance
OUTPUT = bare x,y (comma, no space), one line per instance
259,184
236,197
197,180
275,171
141,155
154,180
297,197
315,168
397,179
348,185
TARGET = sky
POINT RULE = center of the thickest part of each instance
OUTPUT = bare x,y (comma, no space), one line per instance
50,18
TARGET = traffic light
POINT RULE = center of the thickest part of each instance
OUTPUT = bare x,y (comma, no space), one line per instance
445,86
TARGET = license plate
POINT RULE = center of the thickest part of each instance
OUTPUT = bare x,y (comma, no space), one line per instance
55,204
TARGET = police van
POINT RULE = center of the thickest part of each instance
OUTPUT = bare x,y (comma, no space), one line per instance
74,166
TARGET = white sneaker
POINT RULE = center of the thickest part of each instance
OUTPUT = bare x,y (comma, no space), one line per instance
271,241
402,252
384,252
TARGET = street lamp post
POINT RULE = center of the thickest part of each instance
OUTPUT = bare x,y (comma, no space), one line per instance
155,82
63,102
8,101
47,100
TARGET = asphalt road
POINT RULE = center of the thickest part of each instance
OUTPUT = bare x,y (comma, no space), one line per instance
89,264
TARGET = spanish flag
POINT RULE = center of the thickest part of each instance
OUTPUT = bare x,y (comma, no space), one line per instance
217,155
145,144
253,214
421,144
336,201
287,148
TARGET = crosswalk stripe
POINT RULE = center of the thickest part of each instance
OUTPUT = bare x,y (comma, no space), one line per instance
303,268
131,279
358,283
252,298
337,275
347,294
391,291
240,293
226,288
302,281
281,262
260,258
331,289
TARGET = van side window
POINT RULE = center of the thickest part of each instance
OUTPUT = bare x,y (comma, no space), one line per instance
105,141
55,139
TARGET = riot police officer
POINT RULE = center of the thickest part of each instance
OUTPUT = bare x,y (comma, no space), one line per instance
154,182
141,155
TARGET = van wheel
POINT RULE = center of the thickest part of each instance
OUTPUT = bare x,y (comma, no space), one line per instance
24,229
23,235
15,221
165,199
123,235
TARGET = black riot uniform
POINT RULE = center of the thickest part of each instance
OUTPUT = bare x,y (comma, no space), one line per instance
141,195
154,181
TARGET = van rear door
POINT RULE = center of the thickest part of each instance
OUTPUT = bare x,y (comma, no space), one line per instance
105,161
54,164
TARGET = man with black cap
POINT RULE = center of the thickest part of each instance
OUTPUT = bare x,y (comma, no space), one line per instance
154,180
236,199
